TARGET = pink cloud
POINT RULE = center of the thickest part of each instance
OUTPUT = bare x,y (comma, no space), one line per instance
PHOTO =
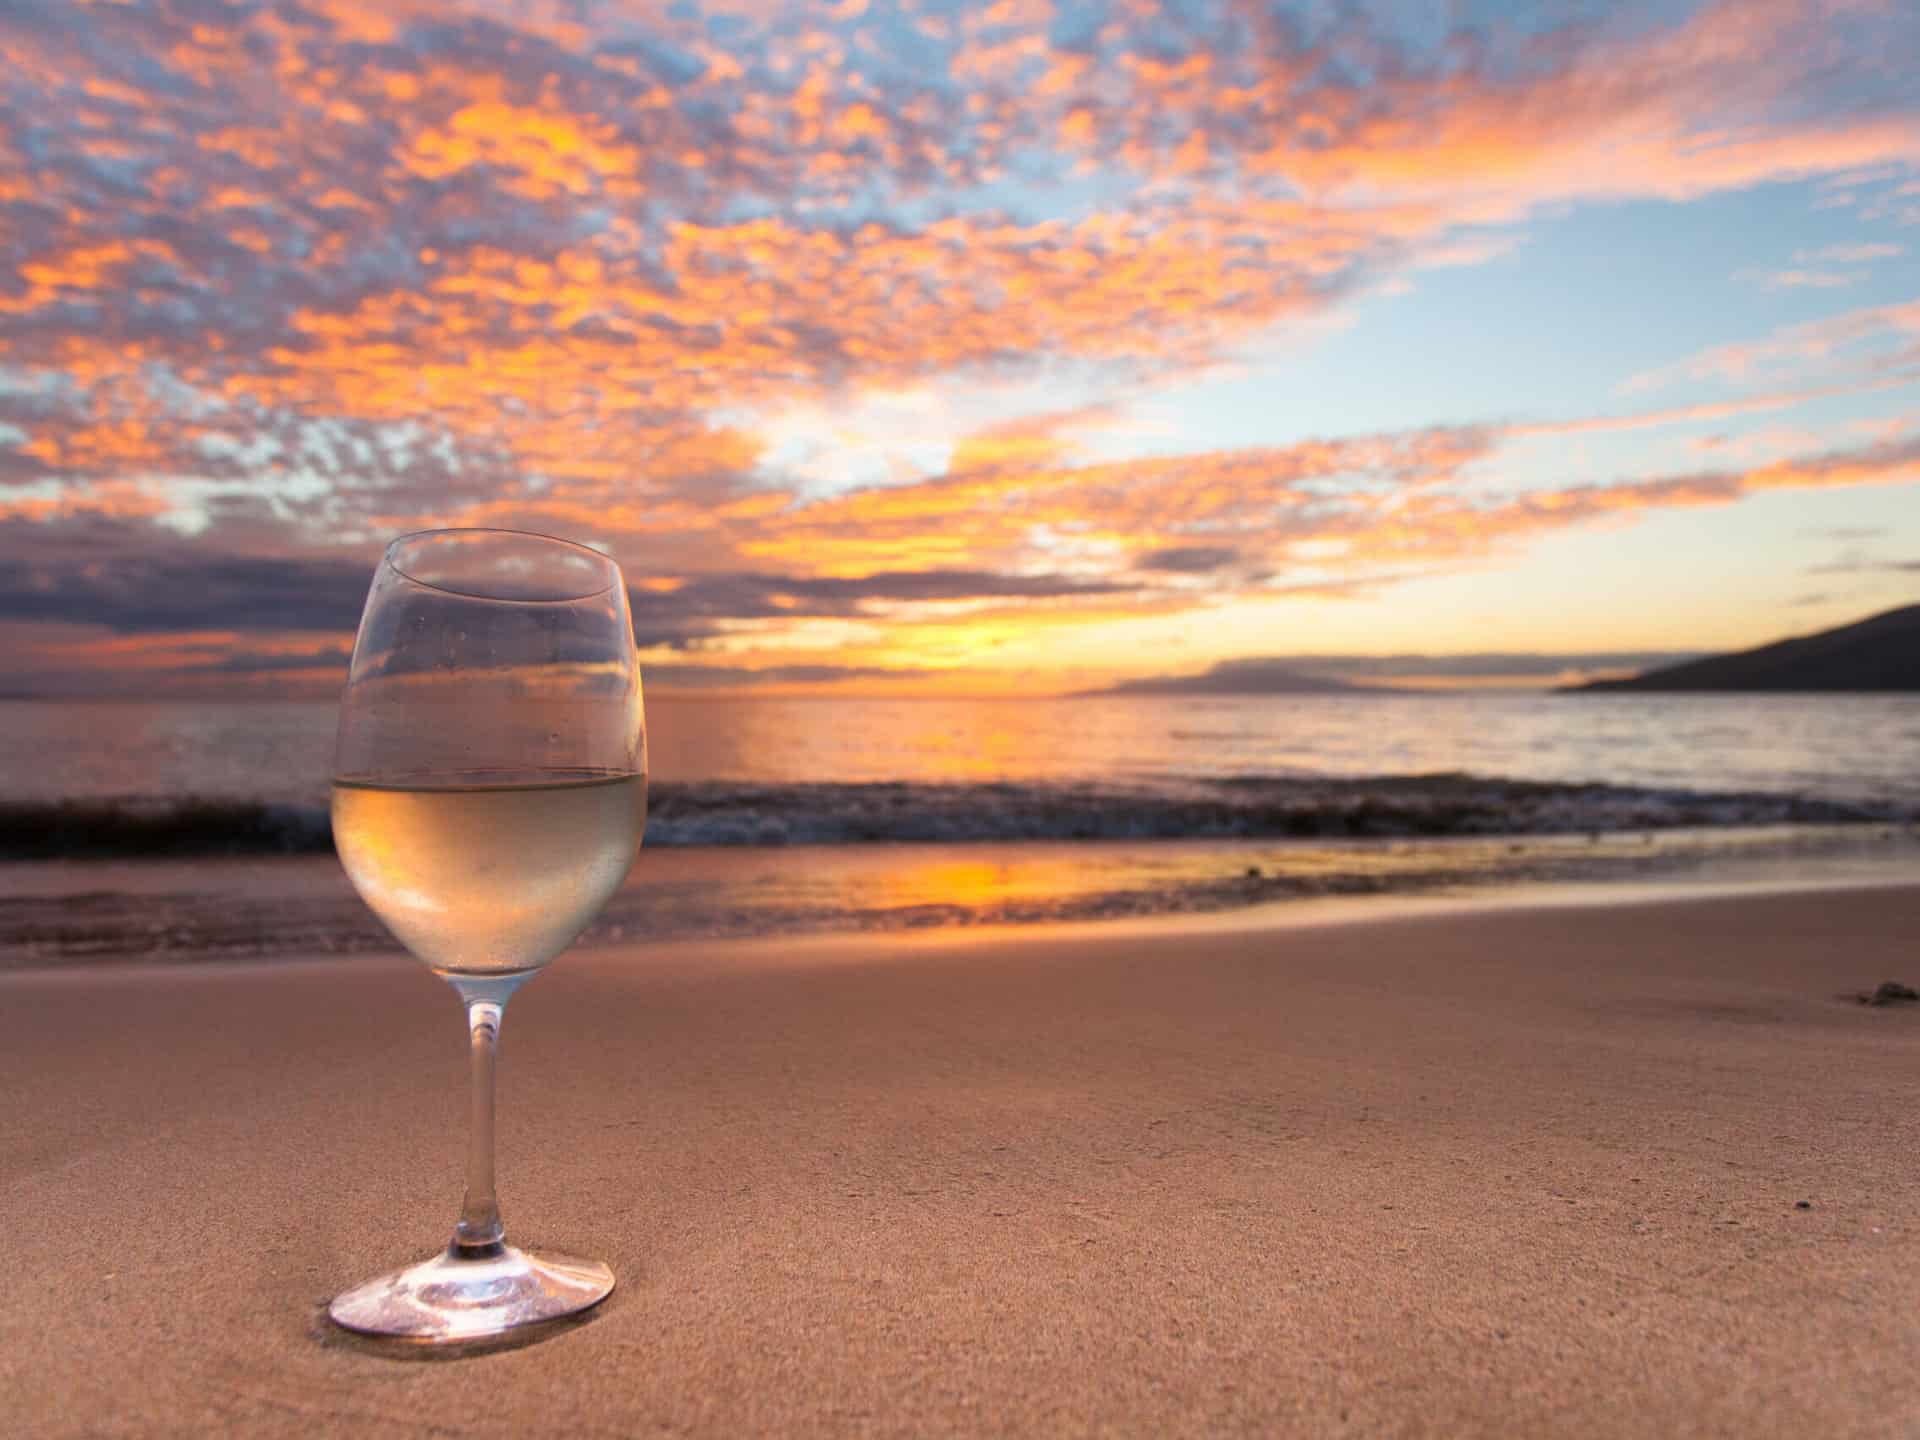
295,277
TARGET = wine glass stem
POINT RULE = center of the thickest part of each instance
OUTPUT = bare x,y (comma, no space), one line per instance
480,1232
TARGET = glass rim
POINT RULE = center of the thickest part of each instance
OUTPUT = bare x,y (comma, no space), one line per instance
389,558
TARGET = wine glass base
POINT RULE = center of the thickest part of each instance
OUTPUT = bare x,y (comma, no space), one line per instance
451,1299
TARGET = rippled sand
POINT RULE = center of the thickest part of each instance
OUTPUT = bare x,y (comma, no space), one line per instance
1624,1169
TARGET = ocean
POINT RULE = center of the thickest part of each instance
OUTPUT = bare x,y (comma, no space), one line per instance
894,813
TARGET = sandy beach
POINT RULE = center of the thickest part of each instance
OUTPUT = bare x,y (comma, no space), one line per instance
1623,1168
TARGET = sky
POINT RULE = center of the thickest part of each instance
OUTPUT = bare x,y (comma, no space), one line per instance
1006,348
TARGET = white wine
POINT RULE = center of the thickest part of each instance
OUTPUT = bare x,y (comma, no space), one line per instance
486,879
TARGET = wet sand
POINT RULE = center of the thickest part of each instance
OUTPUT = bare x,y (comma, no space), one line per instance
184,910
1538,1169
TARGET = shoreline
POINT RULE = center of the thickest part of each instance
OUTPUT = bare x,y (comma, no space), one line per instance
112,913
1250,922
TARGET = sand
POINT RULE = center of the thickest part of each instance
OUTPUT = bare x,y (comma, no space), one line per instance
1475,1171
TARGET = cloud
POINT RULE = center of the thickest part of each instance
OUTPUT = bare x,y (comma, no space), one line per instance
1807,279
527,226
152,586
1848,532
729,677
704,606
279,280
1850,254
1098,515
1188,559
184,585
1441,522
1811,267
1711,410
1863,565
259,662
1322,517
1873,343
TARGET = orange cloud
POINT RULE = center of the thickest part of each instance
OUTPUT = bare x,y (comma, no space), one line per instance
294,279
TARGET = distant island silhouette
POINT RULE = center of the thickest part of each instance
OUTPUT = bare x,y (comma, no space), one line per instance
1880,653
1239,677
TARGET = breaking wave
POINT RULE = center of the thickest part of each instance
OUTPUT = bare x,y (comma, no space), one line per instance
131,829
730,813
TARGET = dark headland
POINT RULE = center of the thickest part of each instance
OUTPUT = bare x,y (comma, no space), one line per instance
1880,653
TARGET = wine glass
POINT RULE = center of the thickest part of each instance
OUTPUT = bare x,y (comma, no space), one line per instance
489,794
